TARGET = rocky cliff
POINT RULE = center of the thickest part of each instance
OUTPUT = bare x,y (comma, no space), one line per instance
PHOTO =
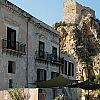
82,41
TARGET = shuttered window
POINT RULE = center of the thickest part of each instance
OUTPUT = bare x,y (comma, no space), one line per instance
10,83
70,69
54,53
41,49
11,38
41,74
54,74
11,67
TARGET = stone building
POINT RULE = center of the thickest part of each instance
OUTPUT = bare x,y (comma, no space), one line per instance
30,52
80,32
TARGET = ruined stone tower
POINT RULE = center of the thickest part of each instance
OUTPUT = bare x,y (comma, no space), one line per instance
73,11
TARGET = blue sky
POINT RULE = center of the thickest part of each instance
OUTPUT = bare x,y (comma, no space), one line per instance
51,11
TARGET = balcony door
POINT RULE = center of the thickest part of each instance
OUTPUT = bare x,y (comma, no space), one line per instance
11,38
54,53
41,74
41,49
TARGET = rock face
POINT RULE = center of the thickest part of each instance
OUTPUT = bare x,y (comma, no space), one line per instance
80,37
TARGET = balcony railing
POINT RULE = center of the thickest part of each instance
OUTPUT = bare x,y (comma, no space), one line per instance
47,57
17,48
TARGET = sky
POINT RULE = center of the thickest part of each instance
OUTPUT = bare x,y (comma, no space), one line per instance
51,11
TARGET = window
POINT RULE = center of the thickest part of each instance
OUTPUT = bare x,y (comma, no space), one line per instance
22,47
64,68
11,38
41,49
41,74
10,83
54,53
70,69
11,67
62,60
54,74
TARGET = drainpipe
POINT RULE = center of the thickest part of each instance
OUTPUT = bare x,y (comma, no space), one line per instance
27,69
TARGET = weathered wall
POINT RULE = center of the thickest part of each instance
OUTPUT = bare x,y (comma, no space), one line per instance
9,18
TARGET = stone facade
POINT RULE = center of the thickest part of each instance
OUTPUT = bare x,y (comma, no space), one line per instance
8,18
28,47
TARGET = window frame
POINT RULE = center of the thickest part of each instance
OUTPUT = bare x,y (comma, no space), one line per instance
41,74
71,69
11,67
66,67
10,83
11,38
54,53
54,74
41,50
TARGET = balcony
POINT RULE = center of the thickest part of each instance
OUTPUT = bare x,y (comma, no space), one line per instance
48,58
15,48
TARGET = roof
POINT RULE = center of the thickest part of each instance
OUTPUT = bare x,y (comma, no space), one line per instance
27,15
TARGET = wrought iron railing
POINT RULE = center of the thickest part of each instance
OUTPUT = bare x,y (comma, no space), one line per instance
19,47
47,57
